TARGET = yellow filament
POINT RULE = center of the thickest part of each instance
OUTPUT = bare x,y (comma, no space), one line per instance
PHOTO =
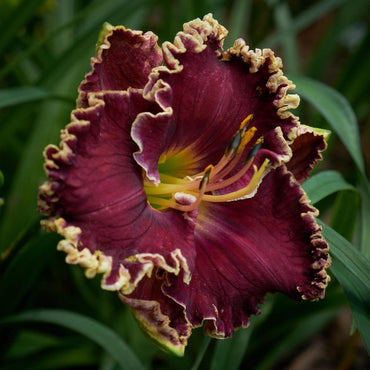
242,192
165,203
172,202
173,179
163,188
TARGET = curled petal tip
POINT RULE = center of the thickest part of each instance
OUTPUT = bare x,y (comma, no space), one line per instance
105,30
157,326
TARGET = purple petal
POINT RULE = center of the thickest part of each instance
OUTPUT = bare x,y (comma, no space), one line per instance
245,249
124,59
206,95
95,191
162,319
307,148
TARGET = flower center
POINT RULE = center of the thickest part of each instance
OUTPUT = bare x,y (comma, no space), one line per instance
185,194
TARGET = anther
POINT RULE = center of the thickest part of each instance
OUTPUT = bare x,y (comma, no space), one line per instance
234,144
256,147
206,177
245,122
246,138
241,138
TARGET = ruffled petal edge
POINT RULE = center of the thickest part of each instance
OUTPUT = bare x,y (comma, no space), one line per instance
277,82
96,262
148,46
156,325
307,148
99,263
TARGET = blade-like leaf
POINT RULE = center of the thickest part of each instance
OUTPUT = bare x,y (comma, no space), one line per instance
345,213
304,20
325,183
201,352
84,325
336,110
352,270
239,19
25,94
229,353
339,114
1,184
289,39
14,22
304,329
24,269
363,235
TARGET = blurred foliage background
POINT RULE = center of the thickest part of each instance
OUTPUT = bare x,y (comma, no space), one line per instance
52,317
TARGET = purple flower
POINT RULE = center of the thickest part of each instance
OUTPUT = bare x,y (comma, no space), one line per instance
179,177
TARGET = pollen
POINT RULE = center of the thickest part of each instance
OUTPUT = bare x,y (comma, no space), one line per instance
206,186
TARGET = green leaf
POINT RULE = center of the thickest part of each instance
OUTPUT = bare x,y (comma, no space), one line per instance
325,183
239,18
352,270
97,332
345,212
330,44
70,356
25,94
304,20
363,235
10,28
1,184
336,110
24,269
29,342
229,352
201,352
304,328
283,21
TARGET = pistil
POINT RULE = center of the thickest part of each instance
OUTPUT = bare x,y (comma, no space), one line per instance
173,191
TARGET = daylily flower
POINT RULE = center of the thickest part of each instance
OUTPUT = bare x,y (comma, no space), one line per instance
179,177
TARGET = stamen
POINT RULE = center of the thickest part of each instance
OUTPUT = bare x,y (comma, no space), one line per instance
234,144
245,122
220,174
237,144
186,208
173,191
164,188
256,147
247,137
235,195
231,179
249,159
206,177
